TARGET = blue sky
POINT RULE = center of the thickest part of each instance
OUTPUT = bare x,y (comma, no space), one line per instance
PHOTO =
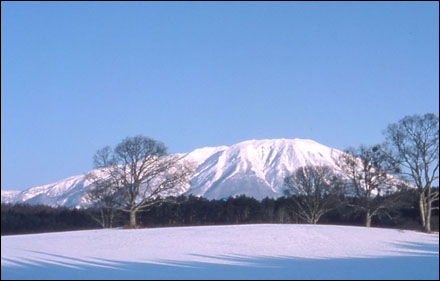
79,76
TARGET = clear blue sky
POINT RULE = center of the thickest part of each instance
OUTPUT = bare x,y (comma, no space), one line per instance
78,76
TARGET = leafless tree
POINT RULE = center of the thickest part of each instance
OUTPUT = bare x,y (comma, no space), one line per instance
369,174
139,173
414,147
314,191
103,197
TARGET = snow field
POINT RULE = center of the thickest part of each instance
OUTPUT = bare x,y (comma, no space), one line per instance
267,251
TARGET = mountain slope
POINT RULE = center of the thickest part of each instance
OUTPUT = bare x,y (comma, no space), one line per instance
9,196
255,168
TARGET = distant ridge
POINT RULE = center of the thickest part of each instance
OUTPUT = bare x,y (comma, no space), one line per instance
255,168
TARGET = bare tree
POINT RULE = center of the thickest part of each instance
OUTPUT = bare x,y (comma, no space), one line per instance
103,197
368,173
314,191
139,173
414,147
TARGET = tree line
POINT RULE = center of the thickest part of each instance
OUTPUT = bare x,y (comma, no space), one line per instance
197,211
138,176
25,218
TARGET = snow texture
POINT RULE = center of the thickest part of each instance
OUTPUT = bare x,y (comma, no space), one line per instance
9,196
223,252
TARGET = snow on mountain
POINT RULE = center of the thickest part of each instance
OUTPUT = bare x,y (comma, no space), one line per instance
68,192
255,168
9,196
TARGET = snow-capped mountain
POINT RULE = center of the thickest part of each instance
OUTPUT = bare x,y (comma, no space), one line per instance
9,196
255,168
69,192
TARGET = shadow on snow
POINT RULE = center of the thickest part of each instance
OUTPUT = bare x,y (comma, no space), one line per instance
422,264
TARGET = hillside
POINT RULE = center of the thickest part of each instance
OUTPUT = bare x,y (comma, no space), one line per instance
223,252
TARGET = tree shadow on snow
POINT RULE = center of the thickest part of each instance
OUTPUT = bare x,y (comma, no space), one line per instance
420,261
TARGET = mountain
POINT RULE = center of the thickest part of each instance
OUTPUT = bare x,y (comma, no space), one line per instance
69,192
256,168
9,196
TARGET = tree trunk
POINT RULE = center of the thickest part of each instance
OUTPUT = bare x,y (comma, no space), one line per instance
132,219
428,215
281,214
103,219
422,210
368,217
111,218
428,222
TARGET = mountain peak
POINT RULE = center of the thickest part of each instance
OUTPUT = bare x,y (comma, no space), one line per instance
255,168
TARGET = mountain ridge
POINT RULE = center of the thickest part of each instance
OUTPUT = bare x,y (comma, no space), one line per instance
255,168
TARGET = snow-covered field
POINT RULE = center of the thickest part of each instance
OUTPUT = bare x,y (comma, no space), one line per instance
223,252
